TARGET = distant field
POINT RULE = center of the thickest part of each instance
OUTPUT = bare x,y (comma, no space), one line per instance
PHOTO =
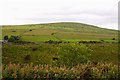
60,31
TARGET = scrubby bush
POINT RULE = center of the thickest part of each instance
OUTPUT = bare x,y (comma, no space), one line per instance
52,33
53,42
6,37
30,30
13,31
11,39
102,40
113,38
73,54
83,42
14,39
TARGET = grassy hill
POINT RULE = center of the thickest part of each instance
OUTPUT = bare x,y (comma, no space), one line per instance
67,60
64,31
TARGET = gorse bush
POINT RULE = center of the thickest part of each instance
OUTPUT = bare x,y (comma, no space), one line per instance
73,54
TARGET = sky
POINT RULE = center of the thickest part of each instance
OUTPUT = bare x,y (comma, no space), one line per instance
102,13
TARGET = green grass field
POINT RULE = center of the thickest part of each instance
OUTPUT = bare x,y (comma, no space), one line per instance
60,31
69,59
44,53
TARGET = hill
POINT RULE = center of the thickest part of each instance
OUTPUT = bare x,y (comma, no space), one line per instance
64,31
69,59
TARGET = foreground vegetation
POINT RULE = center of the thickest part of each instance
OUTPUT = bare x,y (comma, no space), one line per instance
72,53
63,60
82,71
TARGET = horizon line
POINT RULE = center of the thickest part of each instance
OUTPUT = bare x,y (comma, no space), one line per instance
23,24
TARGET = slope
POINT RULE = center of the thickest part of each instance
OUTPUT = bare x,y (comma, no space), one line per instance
65,31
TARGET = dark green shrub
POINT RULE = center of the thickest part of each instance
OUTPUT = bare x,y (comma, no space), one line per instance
52,33
30,30
6,37
53,42
55,58
11,39
102,40
13,31
113,38
14,39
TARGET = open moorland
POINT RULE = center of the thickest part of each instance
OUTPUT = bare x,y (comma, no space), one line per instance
59,50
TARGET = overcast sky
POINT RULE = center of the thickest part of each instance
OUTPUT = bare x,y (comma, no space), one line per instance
103,13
